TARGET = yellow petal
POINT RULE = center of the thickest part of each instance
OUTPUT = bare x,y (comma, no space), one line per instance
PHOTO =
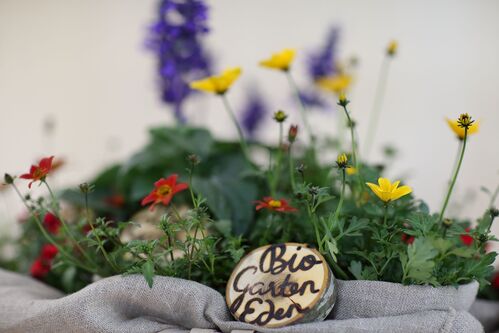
217,84
385,184
394,186
280,60
459,131
204,85
337,83
376,189
400,192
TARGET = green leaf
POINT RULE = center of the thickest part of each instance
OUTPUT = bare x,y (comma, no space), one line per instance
356,269
332,248
148,272
418,263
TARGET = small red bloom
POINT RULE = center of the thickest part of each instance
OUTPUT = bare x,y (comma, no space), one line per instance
40,171
467,239
116,200
40,268
163,192
407,239
280,205
495,281
48,252
51,223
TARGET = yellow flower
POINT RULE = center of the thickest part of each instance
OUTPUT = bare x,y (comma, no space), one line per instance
281,60
392,48
459,131
218,84
337,83
387,191
351,170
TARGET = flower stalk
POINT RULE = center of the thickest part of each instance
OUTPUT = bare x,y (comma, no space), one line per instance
454,177
242,141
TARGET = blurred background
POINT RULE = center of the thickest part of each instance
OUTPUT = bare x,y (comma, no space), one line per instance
77,81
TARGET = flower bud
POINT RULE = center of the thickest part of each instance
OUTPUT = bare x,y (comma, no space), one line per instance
391,50
465,121
8,179
280,116
193,159
342,161
494,212
86,188
447,223
342,100
292,133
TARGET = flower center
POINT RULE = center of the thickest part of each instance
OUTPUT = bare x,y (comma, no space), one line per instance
164,190
275,203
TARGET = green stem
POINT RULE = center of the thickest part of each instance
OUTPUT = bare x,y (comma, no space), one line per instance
291,169
453,182
493,197
63,252
352,138
277,166
194,201
101,247
378,103
342,195
385,213
55,208
303,111
242,141
337,269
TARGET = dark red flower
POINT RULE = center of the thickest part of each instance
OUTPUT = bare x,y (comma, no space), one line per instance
495,281
51,223
116,200
467,239
40,268
48,252
40,171
407,239
163,192
280,205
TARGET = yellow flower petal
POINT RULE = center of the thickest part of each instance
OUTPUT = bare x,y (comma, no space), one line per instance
338,83
280,60
375,188
385,184
400,192
218,84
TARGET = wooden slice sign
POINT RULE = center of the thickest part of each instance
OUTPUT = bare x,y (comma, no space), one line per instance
281,284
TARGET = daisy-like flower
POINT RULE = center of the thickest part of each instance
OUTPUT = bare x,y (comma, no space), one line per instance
337,83
163,192
466,238
39,172
278,205
387,191
218,84
281,60
459,131
40,268
48,252
342,161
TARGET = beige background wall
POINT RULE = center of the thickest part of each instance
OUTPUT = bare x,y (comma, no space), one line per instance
82,62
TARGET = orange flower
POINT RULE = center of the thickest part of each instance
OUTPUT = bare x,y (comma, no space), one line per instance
163,192
280,205
39,172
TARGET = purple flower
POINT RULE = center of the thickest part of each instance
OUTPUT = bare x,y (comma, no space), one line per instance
253,113
322,62
176,38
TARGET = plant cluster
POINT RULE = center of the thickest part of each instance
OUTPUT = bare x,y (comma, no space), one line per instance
209,202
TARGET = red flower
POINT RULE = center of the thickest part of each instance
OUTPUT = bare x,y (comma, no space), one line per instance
48,252
467,239
407,239
495,281
292,133
51,223
40,171
40,268
280,205
163,192
116,200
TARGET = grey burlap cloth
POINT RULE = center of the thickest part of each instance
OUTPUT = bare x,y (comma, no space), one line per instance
126,304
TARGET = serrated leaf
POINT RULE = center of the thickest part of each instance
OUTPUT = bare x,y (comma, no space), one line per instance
332,248
418,263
